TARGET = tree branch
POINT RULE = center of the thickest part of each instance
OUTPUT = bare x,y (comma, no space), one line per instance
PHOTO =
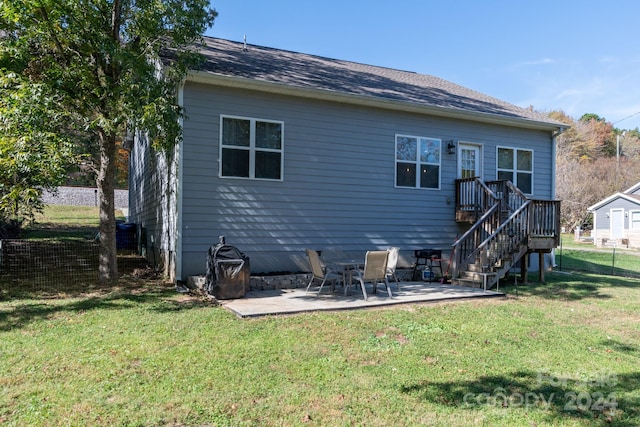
45,16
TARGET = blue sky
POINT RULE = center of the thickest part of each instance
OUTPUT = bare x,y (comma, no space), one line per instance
575,56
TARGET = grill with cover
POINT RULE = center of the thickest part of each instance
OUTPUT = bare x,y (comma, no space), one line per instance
228,271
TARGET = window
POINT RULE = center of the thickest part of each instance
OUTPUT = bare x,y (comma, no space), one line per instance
634,220
516,165
417,162
250,148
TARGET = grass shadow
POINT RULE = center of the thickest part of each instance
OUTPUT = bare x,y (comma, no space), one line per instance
599,262
73,272
620,347
565,286
159,296
57,231
610,399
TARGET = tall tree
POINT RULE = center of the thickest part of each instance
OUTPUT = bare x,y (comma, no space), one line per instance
111,65
33,153
586,154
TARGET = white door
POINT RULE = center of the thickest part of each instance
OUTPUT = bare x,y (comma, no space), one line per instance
469,161
617,223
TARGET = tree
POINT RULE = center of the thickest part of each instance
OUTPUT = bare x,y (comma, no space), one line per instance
587,169
33,155
112,65
588,139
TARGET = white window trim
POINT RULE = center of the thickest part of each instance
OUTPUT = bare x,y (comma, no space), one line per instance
515,165
395,164
611,223
631,212
480,159
252,148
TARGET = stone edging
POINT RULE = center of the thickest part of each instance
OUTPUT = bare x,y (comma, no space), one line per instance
286,281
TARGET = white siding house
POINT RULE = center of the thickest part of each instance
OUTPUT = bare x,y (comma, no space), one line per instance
617,218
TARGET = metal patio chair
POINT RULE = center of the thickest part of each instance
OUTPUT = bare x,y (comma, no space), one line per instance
320,272
375,271
392,262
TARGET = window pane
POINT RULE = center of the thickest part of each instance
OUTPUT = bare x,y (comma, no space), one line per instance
235,132
468,163
406,149
525,160
267,165
268,135
524,183
429,150
429,176
406,175
635,220
235,162
505,175
505,158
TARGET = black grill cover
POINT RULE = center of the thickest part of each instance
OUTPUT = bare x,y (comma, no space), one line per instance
228,272
428,253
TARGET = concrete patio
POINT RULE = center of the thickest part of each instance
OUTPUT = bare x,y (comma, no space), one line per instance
290,301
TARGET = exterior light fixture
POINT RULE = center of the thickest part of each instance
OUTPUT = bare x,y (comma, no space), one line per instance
451,147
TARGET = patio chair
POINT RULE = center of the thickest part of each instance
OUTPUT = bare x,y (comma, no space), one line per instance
392,262
320,272
375,270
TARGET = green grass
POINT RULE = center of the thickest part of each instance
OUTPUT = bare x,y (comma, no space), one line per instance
586,257
66,222
561,353
148,356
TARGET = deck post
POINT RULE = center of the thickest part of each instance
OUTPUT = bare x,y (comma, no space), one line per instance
541,266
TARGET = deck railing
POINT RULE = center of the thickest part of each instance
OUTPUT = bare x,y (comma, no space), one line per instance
545,219
508,222
465,249
473,197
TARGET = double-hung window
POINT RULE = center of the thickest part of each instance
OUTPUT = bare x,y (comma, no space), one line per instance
516,165
634,220
251,148
418,162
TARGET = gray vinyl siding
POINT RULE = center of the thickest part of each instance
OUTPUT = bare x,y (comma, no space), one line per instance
151,205
142,199
338,184
603,223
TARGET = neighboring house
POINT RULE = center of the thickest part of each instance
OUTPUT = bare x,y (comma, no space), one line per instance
617,218
284,151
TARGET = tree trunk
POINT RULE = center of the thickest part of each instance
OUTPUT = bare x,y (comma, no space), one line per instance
108,261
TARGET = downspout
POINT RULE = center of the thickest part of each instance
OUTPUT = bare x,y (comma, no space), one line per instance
179,171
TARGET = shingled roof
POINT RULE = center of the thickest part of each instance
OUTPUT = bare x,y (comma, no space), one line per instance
247,62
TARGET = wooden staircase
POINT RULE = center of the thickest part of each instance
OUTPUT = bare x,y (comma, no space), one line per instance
506,226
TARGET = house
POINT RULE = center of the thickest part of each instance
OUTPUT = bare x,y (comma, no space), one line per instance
284,151
617,218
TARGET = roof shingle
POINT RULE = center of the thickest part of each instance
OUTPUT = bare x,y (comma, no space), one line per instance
233,59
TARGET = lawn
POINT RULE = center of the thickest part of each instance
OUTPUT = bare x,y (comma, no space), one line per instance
588,258
566,353
59,221
561,353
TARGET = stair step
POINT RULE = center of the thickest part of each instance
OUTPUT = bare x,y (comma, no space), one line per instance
469,283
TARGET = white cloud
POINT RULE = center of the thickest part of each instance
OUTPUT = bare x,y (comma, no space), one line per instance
542,61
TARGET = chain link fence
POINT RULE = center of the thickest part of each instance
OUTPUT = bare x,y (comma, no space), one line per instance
607,260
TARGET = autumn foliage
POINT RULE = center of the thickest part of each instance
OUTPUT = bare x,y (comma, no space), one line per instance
588,167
